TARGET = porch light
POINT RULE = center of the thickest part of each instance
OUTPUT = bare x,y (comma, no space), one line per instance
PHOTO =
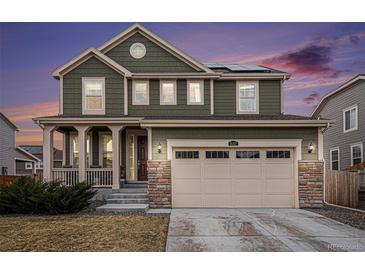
159,148
310,147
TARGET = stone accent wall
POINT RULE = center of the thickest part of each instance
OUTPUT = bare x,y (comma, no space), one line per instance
159,184
310,183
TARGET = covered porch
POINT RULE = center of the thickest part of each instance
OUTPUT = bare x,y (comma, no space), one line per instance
103,154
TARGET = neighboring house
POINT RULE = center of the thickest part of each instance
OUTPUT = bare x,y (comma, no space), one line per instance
200,135
37,151
344,142
11,156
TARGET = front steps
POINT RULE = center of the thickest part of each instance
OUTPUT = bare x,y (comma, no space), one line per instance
127,199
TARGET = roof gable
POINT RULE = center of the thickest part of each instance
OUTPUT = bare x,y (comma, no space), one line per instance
158,41
6,120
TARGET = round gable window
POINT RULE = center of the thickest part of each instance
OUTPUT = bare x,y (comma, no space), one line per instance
137,50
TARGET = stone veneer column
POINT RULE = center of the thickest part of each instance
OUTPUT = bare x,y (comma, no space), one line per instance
159,184
310,182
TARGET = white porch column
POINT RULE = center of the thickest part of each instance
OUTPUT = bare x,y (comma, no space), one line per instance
47,152
116,147
82,134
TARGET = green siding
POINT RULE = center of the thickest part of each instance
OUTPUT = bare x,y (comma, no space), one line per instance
72,88
181,109
225,97
156,59
160,135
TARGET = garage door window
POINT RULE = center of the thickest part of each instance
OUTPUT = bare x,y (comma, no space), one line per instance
248,154
278,154
217,154
187,154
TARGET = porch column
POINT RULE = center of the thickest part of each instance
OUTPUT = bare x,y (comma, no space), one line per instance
82,133
116,154
47,152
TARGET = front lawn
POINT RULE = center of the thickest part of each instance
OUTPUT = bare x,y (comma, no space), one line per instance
83,233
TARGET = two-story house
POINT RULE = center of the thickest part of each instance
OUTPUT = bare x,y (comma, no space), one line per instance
200,135
344,142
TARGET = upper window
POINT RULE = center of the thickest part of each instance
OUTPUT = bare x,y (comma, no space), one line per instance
335,158
137,50
93,93
350,119
356,154
195,94
140,93
247,97
168,93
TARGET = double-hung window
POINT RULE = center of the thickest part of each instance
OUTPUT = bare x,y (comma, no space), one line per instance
93,95
140,93
350,119
168,93
335,158
195,94
247,97
356,153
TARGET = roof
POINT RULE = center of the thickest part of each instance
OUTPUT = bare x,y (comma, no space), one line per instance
6,120
37,151
343,87
239,68
29,155
251,117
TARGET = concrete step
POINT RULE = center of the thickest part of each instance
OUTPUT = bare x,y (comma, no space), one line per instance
127,201
120,208
128,195
132,190
135,185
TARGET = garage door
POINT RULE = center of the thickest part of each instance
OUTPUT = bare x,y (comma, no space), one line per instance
220,177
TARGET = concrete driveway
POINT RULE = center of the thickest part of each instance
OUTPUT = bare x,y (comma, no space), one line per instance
259,230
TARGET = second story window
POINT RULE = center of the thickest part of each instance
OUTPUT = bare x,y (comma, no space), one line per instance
168,93
195,94
140,93
93,95
350,119
247,97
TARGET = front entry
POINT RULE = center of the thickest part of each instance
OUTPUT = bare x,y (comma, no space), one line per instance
142,155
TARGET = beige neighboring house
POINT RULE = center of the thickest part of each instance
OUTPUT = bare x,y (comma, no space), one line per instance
11,156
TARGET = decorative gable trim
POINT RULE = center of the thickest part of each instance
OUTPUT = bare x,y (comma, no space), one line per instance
118,39
86,55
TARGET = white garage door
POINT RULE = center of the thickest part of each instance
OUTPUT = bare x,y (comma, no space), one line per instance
222,177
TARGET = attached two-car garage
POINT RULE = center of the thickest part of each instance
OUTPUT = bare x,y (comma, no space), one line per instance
233,177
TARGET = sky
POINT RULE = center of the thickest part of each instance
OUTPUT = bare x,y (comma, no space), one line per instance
319,57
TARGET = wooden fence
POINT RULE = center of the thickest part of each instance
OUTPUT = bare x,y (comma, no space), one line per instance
342,188
7,179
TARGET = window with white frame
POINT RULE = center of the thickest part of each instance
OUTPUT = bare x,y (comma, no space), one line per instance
356,153
335,158
350,119
168,93
195,94
28,165
247,97
140,93
93,93
106,150
39,165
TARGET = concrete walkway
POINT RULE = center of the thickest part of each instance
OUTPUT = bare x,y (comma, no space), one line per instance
259,230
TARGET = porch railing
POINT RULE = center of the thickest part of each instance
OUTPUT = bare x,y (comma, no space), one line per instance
99,177
69,176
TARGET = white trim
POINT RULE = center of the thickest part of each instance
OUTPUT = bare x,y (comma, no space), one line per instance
64,147
175,92
320,145
135,133
116,40
125,82
134,82
201,83
256,76
257,97
340,88
211,97
149,141
93,111
61,95
282,96
351,152
27,167
133,54
339,159
344,118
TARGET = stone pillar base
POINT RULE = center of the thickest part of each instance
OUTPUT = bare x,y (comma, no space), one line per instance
310,184
159,184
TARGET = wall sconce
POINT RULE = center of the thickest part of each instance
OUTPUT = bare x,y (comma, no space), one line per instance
159,148
310,147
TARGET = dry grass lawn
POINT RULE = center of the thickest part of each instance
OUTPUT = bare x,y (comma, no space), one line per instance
83,233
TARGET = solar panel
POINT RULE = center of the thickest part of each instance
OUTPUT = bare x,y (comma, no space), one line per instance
238,67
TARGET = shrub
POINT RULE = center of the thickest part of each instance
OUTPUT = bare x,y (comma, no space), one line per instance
27,196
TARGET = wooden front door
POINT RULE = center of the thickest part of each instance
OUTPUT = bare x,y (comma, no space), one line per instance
142,148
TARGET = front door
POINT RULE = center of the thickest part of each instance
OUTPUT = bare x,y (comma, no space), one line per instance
142,148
